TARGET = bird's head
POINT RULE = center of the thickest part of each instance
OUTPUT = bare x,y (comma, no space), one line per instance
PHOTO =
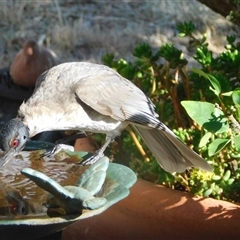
13,137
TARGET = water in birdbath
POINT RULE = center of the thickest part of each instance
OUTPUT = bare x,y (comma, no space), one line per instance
22,198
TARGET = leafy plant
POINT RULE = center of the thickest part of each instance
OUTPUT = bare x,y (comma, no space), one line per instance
202,105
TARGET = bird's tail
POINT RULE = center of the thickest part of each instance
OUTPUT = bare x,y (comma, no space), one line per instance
170,152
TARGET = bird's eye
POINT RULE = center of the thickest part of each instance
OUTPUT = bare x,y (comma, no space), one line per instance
15,143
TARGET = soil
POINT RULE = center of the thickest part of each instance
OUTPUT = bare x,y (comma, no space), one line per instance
85,30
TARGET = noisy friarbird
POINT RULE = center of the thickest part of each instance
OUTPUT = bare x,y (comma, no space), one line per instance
94,98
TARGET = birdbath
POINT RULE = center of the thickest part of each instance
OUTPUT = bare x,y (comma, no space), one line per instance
42,196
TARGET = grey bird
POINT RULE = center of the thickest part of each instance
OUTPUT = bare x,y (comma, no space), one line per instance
95,98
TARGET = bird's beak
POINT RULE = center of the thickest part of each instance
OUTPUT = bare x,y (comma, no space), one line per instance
7,157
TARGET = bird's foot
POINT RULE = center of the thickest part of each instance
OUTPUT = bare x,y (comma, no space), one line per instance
57,148
91,159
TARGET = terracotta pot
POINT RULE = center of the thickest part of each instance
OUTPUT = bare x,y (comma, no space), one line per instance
155,212
85,144
31,61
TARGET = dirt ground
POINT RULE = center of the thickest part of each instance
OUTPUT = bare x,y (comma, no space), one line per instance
85,30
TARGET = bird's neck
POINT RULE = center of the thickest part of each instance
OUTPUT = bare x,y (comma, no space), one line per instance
37,126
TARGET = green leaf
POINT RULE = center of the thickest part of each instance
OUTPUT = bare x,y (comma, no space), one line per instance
200,72
231,39
207,192
174,56
185,28
215,83
216,177
182,35
204,140
213,185
218,190
230,181
206,115
108,59
217,145
236,140
142,50
227,175
227,94
236,97
203,55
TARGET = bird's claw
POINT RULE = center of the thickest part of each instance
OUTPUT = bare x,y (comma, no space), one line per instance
48,153
92,159
57,148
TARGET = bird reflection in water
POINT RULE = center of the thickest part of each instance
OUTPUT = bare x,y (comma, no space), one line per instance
13,204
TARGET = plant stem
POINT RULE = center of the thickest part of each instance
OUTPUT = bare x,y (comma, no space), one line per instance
138,145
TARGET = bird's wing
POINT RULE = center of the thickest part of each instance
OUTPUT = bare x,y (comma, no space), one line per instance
39,81
110,94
